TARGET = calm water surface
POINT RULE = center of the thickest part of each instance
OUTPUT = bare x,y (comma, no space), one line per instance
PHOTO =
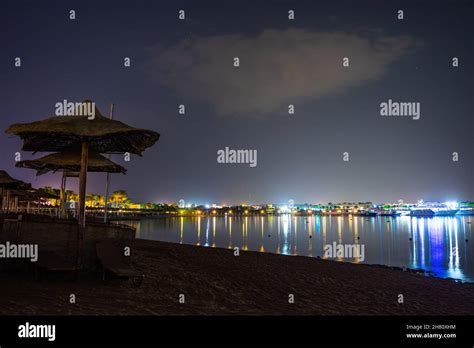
436,244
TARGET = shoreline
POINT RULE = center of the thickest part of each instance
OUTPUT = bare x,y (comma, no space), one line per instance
417,271
215,282
142,216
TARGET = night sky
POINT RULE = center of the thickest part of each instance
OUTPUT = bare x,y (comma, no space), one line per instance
282,62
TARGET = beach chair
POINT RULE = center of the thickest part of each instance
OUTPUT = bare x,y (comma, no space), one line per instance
49,261
112,258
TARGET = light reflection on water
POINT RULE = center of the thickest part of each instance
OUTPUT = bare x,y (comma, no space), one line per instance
436,244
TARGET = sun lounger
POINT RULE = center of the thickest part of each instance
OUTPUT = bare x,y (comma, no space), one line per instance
112,258
51,262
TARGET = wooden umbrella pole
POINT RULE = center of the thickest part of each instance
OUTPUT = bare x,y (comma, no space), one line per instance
63,197
8,201
82,183
107,179
82,202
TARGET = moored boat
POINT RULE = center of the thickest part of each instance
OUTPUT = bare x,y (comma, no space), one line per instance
468,211
422,212
368,213
434,209
389,213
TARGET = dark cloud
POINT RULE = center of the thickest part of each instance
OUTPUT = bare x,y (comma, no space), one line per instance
277,67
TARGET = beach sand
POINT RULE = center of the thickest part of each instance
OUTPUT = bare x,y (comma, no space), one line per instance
215,282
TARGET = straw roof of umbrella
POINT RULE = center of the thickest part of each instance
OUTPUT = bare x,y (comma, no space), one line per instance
6,181
70,161
103,135
33,194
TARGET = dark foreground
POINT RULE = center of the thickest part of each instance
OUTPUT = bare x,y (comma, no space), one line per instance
215,282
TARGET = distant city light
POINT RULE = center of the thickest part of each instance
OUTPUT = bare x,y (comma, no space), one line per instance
452,204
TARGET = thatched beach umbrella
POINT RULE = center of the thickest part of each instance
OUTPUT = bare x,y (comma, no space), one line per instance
7,183
101,134
33,194
70,162
97,133
30,195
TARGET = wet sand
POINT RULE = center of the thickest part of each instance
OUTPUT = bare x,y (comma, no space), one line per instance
215,282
